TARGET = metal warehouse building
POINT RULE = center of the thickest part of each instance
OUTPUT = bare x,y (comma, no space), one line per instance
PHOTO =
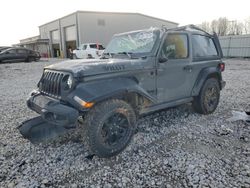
84,26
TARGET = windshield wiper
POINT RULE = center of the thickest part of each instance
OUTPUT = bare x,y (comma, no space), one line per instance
126,53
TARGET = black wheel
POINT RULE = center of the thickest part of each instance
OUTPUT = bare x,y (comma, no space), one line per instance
207,100
110,127
89,56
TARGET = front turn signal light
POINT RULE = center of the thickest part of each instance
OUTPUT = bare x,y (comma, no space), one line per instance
83,103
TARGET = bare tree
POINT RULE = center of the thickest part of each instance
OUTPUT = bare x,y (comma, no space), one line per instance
205,26
235,27
246,26
222,26
214,26
239,28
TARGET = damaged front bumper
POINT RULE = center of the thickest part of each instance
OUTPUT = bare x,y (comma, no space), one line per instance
52,110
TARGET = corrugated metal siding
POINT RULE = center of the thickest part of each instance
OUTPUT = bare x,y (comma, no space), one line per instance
92,31
235,46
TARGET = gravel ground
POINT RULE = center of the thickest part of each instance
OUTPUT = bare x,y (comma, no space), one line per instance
172,148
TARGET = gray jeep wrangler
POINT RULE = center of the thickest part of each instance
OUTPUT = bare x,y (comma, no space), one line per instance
139,72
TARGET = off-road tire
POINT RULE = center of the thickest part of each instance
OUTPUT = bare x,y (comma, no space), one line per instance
89,56
208,99
97,127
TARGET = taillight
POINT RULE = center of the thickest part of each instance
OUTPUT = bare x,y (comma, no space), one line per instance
222,67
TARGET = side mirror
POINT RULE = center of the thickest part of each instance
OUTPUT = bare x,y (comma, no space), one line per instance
163,59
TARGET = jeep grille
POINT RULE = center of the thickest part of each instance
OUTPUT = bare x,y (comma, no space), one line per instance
50,83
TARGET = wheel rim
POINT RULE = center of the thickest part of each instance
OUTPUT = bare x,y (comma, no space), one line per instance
115,130
211,98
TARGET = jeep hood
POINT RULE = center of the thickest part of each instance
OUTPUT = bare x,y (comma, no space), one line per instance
88,67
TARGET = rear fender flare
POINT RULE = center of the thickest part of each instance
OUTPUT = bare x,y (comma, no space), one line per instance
203,76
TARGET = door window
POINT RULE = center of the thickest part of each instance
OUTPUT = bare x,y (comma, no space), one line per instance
84,47
175,46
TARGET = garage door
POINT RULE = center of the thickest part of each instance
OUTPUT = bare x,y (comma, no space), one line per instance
70,33
55,39
70,37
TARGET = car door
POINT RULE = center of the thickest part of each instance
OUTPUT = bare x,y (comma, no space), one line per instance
86,51
22,54
80,53
173,68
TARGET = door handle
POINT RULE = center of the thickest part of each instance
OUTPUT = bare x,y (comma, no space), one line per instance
188,68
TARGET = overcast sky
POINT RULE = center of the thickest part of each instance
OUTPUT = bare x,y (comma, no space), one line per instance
20,18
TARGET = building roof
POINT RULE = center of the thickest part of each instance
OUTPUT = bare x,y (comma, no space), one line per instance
32,40
131,13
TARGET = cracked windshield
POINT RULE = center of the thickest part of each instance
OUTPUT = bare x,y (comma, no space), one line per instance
138,42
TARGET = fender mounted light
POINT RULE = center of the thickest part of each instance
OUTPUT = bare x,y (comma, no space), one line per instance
83,103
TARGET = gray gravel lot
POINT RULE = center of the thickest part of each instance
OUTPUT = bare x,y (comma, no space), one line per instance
172,148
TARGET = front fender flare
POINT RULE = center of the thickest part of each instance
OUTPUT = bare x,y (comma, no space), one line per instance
99,90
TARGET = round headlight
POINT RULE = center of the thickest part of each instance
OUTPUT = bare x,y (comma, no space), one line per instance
67,82
70,81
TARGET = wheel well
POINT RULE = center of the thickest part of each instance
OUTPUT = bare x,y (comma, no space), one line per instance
134,99
216,76
89,56
203,76
213,75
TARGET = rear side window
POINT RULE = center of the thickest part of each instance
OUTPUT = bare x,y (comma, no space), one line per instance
97,46
175,46
203,46
93,46
100,47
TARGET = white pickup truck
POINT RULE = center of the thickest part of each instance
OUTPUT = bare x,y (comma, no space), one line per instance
88,50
